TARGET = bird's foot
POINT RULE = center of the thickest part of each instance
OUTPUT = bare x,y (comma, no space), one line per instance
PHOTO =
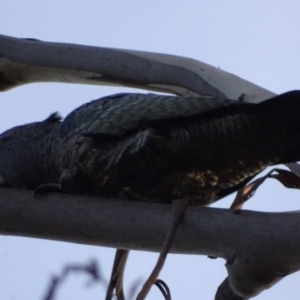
62,186
178,209
48,188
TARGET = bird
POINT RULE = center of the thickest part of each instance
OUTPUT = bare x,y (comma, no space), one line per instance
169,147
163,148
106,143
29,154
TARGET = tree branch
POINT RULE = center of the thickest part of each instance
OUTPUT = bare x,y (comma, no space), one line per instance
25,61
252,243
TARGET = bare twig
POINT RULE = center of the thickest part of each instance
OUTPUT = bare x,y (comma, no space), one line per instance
90,269
163,287
117,273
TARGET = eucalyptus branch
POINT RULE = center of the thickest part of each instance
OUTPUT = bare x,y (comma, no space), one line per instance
260,248
114,223
26,60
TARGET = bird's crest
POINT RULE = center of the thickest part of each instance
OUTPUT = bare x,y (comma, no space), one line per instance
54,118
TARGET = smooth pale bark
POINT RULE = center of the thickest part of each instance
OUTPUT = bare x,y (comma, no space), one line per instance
247,241
26,61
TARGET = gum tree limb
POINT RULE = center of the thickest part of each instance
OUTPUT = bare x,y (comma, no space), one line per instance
260,248
25,61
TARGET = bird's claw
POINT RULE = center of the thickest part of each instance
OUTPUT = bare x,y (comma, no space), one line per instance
48,188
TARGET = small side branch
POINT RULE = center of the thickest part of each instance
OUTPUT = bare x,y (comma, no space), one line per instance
90,269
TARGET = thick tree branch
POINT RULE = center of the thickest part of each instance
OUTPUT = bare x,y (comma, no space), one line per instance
253,243
24,61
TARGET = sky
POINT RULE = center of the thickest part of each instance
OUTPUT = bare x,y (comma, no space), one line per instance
256,40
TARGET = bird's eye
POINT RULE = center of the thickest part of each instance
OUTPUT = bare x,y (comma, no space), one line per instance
5,138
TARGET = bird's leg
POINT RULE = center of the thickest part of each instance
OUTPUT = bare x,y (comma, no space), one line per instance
116,279
178,209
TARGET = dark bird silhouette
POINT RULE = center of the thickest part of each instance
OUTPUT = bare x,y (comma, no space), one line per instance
157,147
163,148
29,154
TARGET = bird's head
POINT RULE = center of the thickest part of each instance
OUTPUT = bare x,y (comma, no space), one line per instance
23,151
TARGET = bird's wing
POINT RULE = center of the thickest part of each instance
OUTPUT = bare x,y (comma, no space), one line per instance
119,114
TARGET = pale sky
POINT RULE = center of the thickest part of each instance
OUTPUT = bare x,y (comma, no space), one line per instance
256,40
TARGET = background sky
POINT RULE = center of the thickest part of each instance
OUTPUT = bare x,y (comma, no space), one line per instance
256,40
